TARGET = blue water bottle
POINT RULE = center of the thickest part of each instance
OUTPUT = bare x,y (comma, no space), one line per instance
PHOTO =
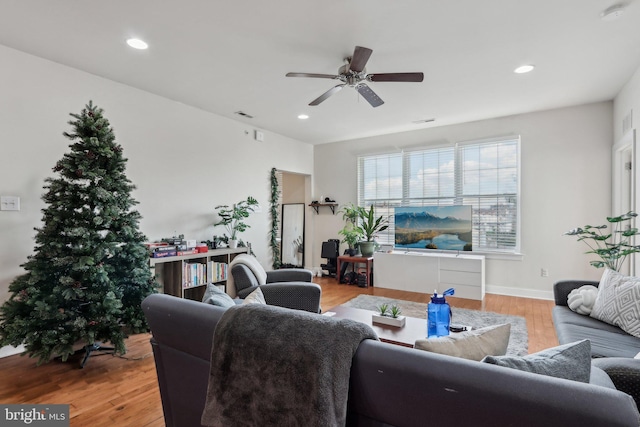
439,314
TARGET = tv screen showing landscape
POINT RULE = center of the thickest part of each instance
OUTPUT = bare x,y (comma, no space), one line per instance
433,227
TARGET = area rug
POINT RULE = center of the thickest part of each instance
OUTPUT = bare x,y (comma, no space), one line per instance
518,341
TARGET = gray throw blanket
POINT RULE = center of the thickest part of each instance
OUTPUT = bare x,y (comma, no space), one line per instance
272,366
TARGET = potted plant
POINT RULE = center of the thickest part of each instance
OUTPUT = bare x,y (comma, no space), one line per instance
613,246
389,316
232,218
352,234
369,226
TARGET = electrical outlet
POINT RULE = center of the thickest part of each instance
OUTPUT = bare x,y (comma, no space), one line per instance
544,272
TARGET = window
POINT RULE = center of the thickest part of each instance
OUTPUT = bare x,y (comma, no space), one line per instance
482,174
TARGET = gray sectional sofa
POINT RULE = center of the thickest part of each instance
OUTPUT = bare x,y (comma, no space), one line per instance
612,348
606,340
390,385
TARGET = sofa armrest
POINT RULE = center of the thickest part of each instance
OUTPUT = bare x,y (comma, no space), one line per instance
243,279
624,372
295,295
289,275
243,293
562,289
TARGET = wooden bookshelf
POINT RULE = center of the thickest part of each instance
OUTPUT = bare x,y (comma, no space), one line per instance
171,271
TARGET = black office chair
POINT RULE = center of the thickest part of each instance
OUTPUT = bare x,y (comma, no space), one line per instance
330,251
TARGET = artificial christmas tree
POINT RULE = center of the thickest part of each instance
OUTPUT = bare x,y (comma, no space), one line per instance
90,269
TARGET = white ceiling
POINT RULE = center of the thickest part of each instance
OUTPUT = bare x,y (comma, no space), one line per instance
228,56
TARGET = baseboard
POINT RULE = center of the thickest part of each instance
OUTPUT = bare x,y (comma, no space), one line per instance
519,292
9,350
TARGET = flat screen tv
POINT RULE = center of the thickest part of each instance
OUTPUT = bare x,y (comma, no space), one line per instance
433,227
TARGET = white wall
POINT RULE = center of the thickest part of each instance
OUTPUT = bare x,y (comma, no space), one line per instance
566,182
184,161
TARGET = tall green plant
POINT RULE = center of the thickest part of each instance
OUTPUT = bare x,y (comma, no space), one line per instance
614,246
232,218
351,233
370,225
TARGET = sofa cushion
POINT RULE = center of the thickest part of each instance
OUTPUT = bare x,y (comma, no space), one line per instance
581,300
216,296
255,297
569,361
473,345
606,340
618,301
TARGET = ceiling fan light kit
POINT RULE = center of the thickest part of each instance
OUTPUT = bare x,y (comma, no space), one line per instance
354,74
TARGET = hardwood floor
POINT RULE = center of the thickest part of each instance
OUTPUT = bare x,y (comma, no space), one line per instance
123,391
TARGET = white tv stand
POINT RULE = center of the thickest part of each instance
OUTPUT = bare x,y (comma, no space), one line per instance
424,271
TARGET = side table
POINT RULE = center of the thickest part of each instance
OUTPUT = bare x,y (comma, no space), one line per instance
368,261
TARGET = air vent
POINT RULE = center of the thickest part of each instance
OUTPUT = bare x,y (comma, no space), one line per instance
243,114
423,121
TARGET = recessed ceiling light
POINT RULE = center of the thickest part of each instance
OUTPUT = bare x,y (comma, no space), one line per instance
303,117
137,44
523,69
612,13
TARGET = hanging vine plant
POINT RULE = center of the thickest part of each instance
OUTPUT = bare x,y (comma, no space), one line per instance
275,194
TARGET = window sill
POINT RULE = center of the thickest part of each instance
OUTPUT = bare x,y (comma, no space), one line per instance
507,256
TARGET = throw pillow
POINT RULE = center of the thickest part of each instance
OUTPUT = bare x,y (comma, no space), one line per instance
569,361
255,297
472,345
581,300
618,302
216,296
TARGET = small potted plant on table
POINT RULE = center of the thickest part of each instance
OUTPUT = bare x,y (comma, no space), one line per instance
389,316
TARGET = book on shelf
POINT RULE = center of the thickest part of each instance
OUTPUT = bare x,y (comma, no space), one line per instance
194,274
217,271
199,273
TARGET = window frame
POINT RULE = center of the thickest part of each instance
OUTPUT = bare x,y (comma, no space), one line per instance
387,204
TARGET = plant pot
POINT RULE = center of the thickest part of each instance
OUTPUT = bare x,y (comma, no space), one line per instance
367,248
233,244
386,320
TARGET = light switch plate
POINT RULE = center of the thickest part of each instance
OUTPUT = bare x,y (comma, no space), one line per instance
9,203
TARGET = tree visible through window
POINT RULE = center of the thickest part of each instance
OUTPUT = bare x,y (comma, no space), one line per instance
483,174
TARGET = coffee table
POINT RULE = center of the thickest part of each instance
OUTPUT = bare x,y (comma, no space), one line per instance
405,336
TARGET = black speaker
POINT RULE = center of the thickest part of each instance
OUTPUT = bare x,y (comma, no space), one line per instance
330,250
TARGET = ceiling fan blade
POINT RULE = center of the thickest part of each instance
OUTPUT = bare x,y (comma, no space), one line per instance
371,97
396,77
318,76
325,95
359,59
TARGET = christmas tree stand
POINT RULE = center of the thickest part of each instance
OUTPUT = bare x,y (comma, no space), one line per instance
91,348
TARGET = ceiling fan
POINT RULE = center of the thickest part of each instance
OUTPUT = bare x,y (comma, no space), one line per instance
354,74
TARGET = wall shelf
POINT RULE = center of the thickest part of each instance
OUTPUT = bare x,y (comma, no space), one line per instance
317,206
